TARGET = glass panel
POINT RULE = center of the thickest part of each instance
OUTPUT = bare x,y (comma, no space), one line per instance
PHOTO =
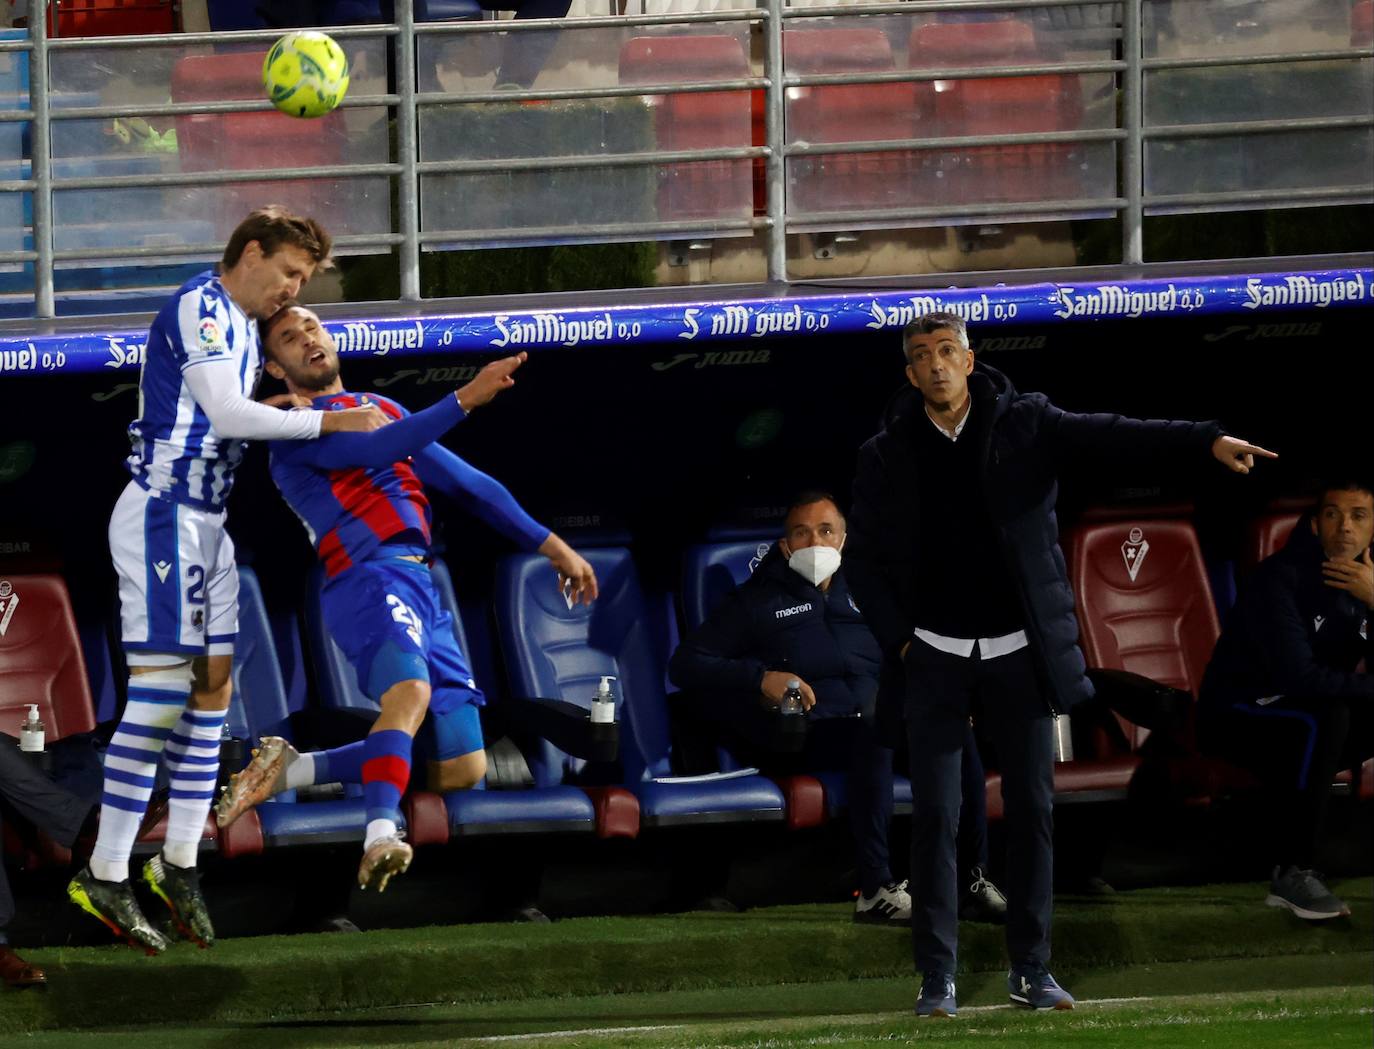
1207,28
206,142
582,201
1275,91
947,109
1291,160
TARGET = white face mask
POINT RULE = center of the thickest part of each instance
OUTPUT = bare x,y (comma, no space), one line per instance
815,564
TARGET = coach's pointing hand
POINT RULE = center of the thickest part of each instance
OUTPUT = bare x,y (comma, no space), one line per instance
490,381
1238,455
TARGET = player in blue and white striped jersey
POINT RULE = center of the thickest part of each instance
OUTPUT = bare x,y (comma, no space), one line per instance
178,583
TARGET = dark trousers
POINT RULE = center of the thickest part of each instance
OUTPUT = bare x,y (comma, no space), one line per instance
943,691
30,795
845,744
1294,747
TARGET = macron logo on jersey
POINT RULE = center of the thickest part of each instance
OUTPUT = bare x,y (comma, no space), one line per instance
162,568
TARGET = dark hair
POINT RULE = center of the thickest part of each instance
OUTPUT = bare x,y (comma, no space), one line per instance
1345,483
812,495
929,323
274,227
266,325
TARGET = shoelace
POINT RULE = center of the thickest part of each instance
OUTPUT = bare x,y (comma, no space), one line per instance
979,882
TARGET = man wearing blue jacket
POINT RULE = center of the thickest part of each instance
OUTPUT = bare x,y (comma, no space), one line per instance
953,555
795,619
1284,695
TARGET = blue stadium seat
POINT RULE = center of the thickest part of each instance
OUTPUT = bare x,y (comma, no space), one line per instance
553,808
258,707
712,570
555,651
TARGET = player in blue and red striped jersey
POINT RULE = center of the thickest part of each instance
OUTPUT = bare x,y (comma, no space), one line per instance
362,500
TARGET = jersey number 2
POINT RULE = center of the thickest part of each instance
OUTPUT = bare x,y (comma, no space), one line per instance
195,593
403,615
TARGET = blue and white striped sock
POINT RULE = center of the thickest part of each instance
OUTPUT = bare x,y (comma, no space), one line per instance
193,761
155,703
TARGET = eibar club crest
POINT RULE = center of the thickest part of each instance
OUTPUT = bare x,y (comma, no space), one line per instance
1133,552
758,557
9,601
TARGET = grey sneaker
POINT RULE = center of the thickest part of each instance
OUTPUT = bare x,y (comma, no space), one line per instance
1305,894
890,905
982,901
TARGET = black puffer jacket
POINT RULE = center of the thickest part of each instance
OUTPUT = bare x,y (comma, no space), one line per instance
1023,438
776,620
1291,635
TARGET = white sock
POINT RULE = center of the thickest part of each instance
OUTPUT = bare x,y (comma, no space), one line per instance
378,829
193,761
155,703
301,772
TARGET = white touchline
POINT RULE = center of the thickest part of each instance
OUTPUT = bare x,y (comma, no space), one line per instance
572,1033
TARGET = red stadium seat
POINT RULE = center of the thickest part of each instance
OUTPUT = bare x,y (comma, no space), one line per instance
1267,536
847,113
706,120
1143,600
250,141
40,657
1362,24
993,106
111,18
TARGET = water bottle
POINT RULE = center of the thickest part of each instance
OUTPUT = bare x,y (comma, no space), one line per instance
31,732
603,703
792,698
1063,738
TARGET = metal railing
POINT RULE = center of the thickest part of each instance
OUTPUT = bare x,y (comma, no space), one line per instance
1123,191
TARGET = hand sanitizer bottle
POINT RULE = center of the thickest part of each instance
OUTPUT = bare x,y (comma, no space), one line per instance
603,703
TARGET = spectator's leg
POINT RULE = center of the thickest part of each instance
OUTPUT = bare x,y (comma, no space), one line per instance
1331,731
973,811
1018,721
939,688
56,811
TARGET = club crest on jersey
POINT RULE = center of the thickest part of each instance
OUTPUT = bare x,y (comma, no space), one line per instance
211,338
9,601
758,557
1133,552
853,605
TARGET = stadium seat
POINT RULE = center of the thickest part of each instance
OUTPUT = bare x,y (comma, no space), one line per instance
40,657
86,18
713,189
992,106
543,809
847,113
1267,536
556,650
253,141
1362,24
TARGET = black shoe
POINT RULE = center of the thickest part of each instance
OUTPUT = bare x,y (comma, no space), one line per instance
179,889
113,904
1305,894
982,901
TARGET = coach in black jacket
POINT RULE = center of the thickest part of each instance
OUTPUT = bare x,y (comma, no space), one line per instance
1282,695
794,619
953,556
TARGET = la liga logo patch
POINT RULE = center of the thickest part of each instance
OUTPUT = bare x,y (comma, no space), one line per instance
210,335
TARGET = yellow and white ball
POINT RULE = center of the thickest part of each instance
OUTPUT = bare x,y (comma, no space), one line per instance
305,74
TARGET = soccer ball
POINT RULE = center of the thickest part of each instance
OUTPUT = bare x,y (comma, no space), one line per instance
305,74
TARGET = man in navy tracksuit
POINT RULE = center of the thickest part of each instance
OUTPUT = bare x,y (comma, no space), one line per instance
1284,696
953,555
794,619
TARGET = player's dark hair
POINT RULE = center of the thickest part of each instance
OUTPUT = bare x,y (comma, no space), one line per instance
1345,483
274,227
930,323
812,495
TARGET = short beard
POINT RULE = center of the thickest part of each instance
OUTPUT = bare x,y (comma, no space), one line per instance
317,384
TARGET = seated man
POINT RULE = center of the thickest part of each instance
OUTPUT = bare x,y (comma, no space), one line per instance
1284,696
365,509
794,619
